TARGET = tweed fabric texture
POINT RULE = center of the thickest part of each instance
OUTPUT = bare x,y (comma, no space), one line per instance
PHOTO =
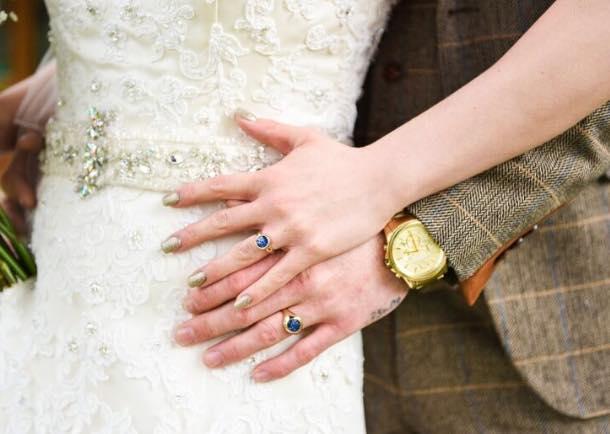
532,355
515,195
550,301
438,366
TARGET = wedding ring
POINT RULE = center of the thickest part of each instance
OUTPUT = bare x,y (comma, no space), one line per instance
263,242
293,324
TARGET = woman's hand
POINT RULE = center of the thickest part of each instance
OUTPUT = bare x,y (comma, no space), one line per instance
368,292
321,200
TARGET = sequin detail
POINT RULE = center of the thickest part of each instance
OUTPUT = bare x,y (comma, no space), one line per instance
150,163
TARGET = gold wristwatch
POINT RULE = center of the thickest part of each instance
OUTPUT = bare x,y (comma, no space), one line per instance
411,253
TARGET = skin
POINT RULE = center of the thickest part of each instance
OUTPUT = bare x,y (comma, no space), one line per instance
519,103
19,179
541,98
331,314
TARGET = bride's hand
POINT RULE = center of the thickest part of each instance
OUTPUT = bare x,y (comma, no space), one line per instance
334,299
322,199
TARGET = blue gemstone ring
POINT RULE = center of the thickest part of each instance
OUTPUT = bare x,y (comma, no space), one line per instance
293,324
263,242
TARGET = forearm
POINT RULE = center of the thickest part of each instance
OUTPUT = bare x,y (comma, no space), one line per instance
554,76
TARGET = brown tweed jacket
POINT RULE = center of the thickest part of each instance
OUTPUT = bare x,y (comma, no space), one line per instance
547,302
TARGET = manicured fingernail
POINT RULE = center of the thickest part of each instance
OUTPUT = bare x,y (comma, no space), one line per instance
171,199
261,376
245,115
212,359
171,244
243,301
197,279
185,336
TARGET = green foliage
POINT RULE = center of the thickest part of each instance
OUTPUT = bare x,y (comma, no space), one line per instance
16,261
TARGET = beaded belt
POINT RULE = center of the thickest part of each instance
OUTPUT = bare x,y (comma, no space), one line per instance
94,157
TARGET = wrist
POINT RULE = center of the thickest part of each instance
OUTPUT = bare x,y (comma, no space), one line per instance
400,177
395,184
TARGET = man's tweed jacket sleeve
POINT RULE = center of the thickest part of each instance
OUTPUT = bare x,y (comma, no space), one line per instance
476,219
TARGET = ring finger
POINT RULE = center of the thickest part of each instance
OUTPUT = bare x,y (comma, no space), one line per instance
241,255
222,222
260,336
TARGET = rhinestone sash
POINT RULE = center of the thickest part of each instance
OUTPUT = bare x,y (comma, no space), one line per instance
94,156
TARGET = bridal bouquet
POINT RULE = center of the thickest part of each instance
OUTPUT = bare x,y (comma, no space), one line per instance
16,261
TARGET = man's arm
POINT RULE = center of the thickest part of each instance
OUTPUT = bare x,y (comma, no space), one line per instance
481,217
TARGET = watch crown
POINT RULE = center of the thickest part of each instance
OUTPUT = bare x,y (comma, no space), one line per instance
385,247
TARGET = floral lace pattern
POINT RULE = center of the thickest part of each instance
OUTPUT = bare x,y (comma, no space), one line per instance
180,68
90,349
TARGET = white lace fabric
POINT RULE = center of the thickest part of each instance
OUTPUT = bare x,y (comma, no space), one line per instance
172,73
90,349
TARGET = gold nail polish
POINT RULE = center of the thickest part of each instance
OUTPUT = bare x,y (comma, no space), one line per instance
197,279
171,199
245,114
171,244
243,301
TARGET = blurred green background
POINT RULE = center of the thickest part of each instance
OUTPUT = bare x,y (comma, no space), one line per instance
22,44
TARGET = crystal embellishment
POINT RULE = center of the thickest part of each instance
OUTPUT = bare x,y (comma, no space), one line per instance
94,154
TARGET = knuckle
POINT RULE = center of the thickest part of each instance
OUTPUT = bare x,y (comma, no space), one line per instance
200,301
221,219
298,227
218,184
194,304
243,317
187,192
309,135
231,352
268,335
300,282
188,234
315,247
243,251
273,128
275,205
203,331
281,277
237,281
304,354
284,369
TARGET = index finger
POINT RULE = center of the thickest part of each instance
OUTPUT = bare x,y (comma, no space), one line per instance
239,186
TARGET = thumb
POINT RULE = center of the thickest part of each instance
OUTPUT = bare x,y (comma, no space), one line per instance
283,137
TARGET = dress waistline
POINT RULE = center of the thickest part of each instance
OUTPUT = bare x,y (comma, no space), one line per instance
94,157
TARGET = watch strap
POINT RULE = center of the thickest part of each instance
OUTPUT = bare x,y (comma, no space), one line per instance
396,221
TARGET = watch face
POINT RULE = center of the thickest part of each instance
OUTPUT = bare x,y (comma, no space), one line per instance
414,253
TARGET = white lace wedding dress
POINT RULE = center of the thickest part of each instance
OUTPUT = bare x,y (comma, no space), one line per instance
148,89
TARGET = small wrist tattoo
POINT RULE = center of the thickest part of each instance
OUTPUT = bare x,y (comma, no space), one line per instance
377,314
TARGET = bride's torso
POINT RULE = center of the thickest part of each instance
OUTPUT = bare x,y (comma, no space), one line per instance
164,78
